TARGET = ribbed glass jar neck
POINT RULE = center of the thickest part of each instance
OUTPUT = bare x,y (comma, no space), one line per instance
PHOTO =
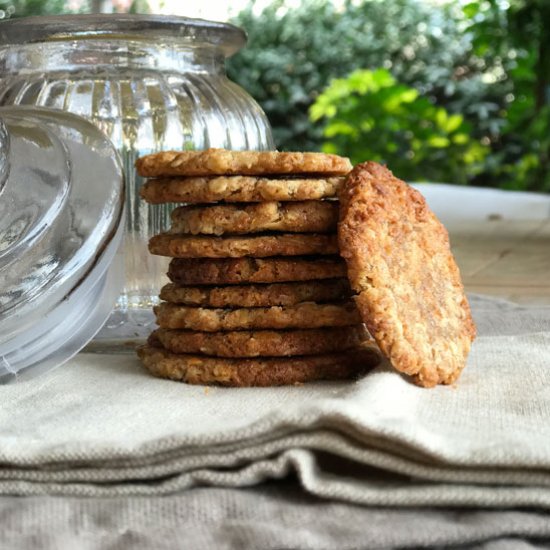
110,54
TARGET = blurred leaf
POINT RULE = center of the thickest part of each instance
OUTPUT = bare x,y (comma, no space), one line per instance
441,118
460,139
453,123
342,128
438,141
471,9
390,122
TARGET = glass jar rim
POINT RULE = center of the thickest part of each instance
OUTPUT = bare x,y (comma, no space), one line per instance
26,30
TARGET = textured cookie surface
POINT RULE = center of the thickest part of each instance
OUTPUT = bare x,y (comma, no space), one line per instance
230,271
266,295
264,343
274,371
222,161
258,246
238,189
399,262
305,315
300,217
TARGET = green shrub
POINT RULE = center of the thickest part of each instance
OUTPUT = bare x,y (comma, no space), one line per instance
23,8
516,32
293,54
371,116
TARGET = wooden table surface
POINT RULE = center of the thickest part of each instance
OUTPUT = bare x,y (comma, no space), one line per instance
501,239
505,258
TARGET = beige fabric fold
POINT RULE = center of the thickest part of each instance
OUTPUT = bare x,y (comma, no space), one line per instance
101,426
268,517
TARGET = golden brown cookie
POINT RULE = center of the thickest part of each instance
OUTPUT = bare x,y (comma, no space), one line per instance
305,315
273,371
230,271
258,246
238,189
266,295
409,290
295,217
222,161
261,343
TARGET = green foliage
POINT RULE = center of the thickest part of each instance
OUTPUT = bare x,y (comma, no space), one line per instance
23,8
487,60
139,6
293,53
515,31
370,116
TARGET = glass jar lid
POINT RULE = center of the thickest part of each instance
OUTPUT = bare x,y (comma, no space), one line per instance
224,36
61,207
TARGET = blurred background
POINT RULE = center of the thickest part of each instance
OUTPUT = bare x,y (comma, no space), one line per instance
455,92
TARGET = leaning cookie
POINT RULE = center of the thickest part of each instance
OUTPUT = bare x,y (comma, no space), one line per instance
222,161
271,371
408,285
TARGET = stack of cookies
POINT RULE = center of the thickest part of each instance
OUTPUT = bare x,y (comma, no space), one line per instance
258,293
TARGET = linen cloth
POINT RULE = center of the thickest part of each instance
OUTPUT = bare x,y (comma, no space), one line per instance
268,516
101,426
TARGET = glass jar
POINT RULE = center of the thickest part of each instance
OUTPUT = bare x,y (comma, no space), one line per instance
149,83
61,227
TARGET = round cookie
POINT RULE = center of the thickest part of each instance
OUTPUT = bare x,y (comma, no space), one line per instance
296,217
409,290
273,371
238,189
222,161
305,315
261,343
233,271
266,295
258,246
